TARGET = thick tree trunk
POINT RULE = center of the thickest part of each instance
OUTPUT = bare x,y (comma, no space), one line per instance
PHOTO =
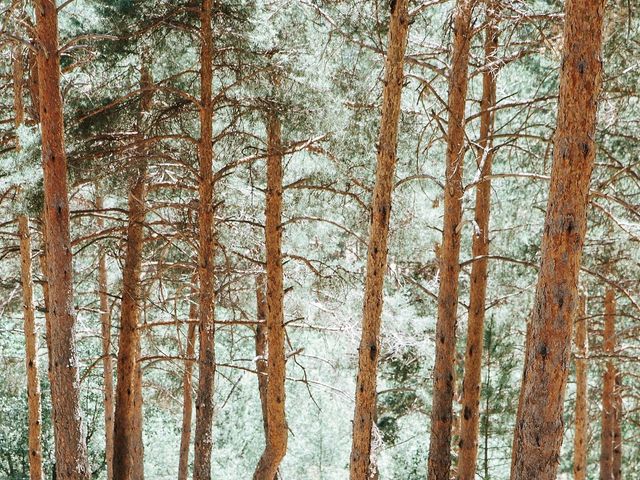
187,397
31,357
70,446
443,377
582,400
261,350
206,357
617,429
369,350
539,425
470,414
277,431
107,364
608,386
128,451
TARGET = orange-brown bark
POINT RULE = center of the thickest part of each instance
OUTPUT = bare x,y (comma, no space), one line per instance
582,400
539,426
607,431
70,446
107,363
128,450
206,357
187,395
443,372
369,350
277,430
18,86
470,415
31,352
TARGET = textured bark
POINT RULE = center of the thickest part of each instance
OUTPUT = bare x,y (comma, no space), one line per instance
539,426
617,429
582,400
206,357
443,376
277,431
31,353
368,352
261,349
470,415
608,387
107,363
187,397
18,87
128,451
70,446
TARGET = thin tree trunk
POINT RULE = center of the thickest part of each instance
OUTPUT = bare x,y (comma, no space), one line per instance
128,451
369,350
31,357
277,431
187,396
539,425
470,414
70,446
617,429
206,357
18,87
443,377
582,400
261,350
107,364
608,386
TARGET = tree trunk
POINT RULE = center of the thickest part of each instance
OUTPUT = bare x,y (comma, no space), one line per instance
107,364
368,352
261,350
582,400
470,414
128,451
617,429
31,357
277,431
539,425
18,87
187,397
608,386
70,445
443,377
206,357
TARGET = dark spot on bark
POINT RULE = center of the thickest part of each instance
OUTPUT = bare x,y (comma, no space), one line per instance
471,351
460,443
441,338
538,440
542,350
581,66
585,148
392,6
372,352
467,413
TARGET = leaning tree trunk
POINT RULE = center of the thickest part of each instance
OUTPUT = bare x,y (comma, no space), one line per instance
277,431
70,446
206,356
582,399
31,357
443,377
128,451
187,396
107,363
539,425
261,350
369,350
608,386
470,415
